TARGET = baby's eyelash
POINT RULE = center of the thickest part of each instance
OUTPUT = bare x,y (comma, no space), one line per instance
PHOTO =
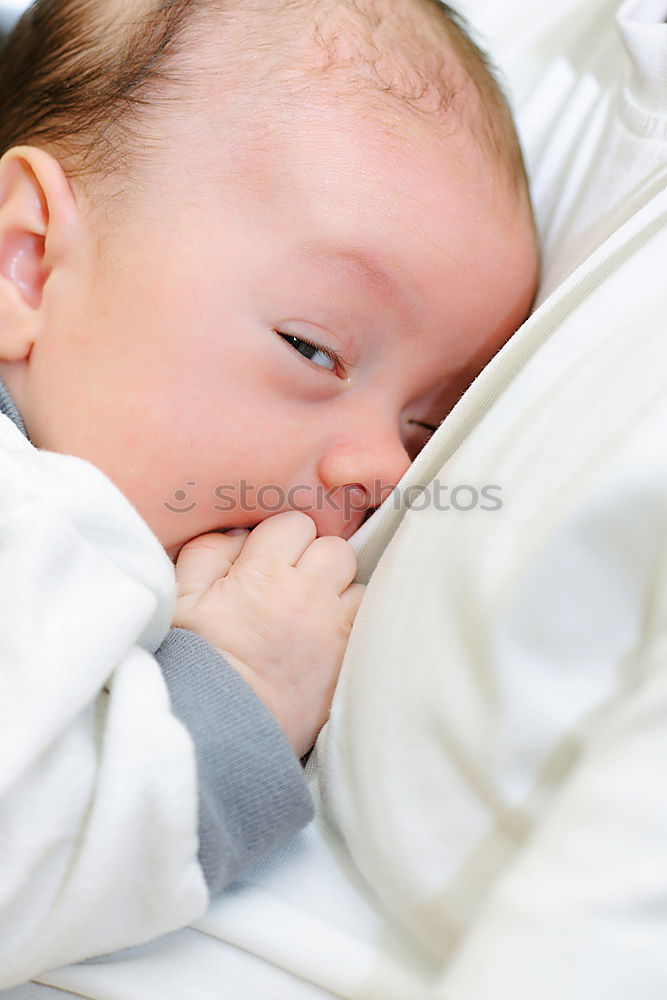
427,427
335,358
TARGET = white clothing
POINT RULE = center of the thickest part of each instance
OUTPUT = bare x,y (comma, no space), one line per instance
87,594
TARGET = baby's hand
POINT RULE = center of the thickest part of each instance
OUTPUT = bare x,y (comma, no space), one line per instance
279,604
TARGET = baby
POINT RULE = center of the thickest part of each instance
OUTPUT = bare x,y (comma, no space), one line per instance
251,254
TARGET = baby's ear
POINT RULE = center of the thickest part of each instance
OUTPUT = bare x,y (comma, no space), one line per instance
35,211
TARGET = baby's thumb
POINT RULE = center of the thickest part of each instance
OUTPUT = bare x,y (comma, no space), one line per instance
205,559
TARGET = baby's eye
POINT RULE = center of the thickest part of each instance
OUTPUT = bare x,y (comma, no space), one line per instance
419,438
427,427
318,355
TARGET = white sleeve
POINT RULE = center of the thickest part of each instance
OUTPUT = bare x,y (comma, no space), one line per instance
98,787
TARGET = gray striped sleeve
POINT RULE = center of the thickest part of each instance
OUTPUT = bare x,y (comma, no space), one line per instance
252,791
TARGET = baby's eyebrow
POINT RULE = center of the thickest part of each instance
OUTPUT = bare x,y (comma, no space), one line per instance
368,269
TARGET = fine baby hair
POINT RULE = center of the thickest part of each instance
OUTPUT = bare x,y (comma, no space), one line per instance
81,78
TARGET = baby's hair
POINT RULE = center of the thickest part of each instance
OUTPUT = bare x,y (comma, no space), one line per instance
78,76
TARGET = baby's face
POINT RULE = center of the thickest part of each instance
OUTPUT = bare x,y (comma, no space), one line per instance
271,332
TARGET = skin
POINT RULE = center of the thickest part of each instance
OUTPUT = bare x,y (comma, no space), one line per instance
408,261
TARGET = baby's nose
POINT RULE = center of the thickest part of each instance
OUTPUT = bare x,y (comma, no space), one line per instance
371,462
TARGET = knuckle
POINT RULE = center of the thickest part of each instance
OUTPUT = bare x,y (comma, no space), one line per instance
261,571
346,554
339,546
337,550
297,516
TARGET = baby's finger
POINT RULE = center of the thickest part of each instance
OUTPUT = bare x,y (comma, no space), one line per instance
331,560
205,559
352,598
283,537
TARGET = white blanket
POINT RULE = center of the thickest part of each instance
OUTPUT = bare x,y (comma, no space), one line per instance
494,770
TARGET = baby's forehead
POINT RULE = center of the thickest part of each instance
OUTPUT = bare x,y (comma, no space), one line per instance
388,50
391,60
227,79
259,77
